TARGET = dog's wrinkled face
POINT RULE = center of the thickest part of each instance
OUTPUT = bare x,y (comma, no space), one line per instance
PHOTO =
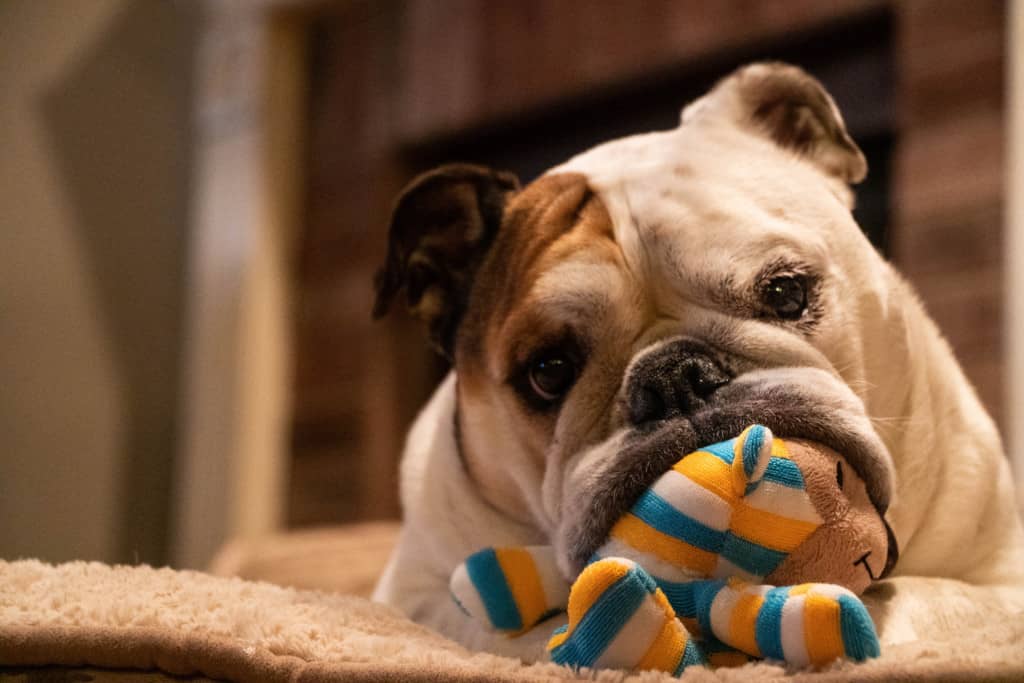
650,296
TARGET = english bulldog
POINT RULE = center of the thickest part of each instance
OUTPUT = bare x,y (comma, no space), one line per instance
658,293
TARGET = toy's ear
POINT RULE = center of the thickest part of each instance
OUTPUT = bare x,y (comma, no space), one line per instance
751,454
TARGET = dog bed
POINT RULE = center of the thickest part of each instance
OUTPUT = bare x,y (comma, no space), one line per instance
93,622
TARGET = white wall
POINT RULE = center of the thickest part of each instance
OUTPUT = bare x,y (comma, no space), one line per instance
93,198
1015,245
60,423
236,398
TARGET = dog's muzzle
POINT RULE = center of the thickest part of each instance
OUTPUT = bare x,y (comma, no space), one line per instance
673,381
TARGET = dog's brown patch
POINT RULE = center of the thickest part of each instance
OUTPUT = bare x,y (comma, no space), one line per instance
555,218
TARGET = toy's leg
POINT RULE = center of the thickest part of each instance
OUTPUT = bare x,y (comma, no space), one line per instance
619,619
813,623
510,589
683,596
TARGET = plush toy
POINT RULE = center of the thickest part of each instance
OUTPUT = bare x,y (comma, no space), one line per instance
710,566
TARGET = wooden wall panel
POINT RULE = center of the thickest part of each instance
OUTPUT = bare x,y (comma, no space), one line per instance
948,233
466,63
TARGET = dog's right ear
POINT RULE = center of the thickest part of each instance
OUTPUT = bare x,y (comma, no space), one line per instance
441,228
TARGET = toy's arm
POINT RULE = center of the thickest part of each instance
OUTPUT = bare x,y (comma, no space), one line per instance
510,589
813,623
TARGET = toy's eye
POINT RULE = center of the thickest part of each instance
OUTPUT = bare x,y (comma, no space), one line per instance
839,474
551,376
786,296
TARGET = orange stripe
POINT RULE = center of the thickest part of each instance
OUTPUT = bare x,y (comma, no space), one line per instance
780,450
709,472
524,582
743,623
557,639
822,631
591,584
632,531
768,529
668,647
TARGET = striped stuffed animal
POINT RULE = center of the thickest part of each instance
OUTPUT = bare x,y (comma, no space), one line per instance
710,566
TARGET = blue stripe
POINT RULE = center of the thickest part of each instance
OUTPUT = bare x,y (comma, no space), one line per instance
859,637
784,472
751,557
704,595
691,656
681,595
751,449
655,511
604,620
489,580
780,470
721,450
768,630
713,645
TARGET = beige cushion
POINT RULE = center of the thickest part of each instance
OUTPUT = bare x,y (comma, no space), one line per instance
342,559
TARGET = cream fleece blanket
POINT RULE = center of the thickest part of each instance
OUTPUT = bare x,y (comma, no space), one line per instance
187,623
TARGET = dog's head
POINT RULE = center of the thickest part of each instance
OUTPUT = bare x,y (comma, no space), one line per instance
654,294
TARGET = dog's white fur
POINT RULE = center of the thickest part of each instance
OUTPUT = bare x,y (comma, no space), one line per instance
953,511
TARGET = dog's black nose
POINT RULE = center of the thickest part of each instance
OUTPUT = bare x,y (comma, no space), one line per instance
676,379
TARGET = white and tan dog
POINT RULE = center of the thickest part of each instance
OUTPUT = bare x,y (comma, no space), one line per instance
658,293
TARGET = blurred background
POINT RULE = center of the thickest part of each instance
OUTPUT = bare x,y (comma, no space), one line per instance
194,199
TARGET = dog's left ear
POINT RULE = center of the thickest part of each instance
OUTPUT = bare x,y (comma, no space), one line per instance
792,108
442,225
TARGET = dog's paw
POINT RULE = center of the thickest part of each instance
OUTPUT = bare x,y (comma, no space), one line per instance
620,619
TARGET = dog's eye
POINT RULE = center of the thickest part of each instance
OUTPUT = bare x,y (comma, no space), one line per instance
839,474
551,376
786,296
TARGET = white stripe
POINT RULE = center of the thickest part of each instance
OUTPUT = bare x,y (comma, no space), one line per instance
794,647
654,565
761,458
757,589
556,588
727,569
634,637
764,456
463,589
722,608
783,501
693,500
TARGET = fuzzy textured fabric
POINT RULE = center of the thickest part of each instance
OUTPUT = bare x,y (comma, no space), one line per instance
81,615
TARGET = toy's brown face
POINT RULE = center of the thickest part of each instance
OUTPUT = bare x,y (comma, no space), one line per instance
852,547
651,296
